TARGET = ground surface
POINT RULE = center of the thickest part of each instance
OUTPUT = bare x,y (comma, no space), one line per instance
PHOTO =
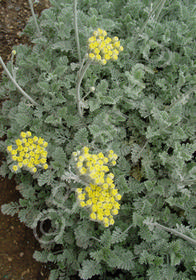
17,242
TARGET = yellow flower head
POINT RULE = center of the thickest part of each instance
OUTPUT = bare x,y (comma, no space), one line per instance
82,204
25,162
29,150
115,57
102,48
9,148
43,160
79,190
40,141
13,152
114,211
99,217
121,48
85,150
100,197
15,168
92,39
81,196
35,139
44,154
34,170
118,197
30,141
23,134
83,170
79,164
28,134
45,144
111,221
98,57
91,55
93,216
18,142
89,202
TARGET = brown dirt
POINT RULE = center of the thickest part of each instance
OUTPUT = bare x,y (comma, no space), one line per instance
17,242
13,17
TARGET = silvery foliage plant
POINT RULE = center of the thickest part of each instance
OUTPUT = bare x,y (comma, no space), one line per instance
98,117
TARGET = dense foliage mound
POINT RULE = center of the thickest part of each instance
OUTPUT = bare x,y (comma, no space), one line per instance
88,100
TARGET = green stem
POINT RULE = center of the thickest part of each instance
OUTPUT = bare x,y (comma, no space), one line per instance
159,6
81,65
81,72
98,240
175,232
16,84
34,18
127,229
76,30
12,67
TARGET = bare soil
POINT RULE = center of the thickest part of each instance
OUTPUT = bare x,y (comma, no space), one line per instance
17,242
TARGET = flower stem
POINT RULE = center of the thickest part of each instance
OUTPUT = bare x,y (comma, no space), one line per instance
81,72
12,66
34,18
160,9
76,30
159,6
16,84
175,232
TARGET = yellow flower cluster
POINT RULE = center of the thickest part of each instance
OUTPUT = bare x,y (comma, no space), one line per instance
102,48
30,152
100,196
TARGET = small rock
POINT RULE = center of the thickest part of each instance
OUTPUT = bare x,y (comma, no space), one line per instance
25,272
17,9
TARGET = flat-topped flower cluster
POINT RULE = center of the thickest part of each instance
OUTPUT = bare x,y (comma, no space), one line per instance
100,196
29,153
102,48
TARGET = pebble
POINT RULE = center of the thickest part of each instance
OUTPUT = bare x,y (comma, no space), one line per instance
17,9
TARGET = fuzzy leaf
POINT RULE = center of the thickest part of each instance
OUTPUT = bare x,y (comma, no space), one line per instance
10,209
40,256
102,87
81,136
82,235
122,184
135,152
107,100
62,45
94,104
52,119
118,235
121,259
106,238
45,178
89,269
